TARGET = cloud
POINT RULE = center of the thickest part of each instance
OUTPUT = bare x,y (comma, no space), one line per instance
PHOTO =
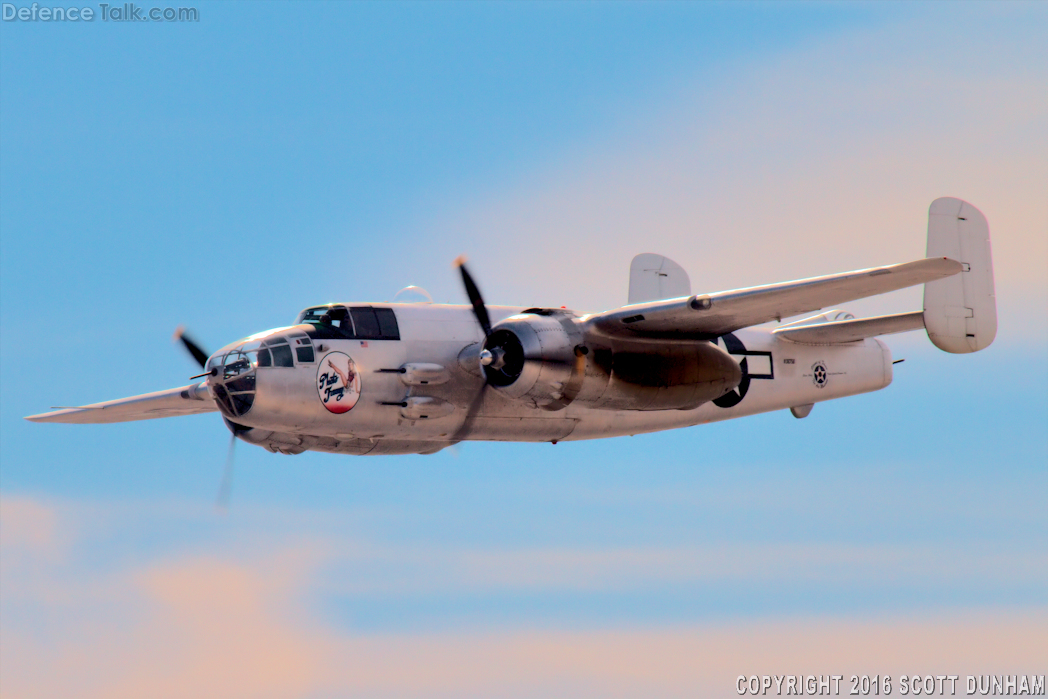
211,627
822,160
397,570
688,661
251,617
27,524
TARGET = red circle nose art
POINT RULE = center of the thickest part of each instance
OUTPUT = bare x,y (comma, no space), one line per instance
338,382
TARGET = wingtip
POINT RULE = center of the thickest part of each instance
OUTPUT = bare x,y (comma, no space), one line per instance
57,412
42,417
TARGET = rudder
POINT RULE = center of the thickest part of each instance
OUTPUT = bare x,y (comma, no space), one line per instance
960,312
655,277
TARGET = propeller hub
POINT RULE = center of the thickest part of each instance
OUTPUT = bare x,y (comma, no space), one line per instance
494,358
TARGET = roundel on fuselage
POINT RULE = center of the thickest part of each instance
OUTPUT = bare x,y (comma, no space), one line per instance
733,345
338,382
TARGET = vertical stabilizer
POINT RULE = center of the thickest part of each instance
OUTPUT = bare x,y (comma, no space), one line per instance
654,278
960,312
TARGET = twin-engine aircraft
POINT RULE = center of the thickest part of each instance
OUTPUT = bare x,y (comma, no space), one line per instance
414,378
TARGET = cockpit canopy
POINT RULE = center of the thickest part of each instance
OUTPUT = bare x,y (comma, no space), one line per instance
354,323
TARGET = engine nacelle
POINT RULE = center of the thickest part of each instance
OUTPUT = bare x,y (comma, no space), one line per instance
537,357
544,358
638,375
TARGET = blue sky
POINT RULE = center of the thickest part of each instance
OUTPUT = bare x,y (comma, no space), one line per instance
227,173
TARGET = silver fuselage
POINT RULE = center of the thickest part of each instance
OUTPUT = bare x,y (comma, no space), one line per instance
289,415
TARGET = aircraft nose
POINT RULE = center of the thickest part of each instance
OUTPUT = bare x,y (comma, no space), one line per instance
231,378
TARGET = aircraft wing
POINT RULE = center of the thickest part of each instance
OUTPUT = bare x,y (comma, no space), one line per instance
186,400
707,316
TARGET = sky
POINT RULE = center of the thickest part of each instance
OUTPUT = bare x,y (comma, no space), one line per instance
226,173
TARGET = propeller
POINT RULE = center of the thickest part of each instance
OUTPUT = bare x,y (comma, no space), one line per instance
495,356
503,357
487,357
475,299
192,347
225,488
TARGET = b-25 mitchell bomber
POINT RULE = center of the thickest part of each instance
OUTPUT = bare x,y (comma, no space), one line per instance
414,378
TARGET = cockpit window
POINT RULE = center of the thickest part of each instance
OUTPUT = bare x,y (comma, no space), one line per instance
354,323
340,318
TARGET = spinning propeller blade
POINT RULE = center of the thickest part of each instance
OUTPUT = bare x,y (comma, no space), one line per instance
479,310
484,320
225,488
192,347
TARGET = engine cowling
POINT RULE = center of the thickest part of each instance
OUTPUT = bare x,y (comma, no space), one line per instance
544,358
661,375
537,357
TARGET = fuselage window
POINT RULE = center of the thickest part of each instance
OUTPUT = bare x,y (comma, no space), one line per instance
387,323
303,348
281,355
275,352
366,323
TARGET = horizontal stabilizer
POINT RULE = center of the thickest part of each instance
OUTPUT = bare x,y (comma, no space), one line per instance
961,312
711,315
851,330
187,400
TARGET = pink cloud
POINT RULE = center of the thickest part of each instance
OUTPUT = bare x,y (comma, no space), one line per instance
213,628
203,624
27,524
822,161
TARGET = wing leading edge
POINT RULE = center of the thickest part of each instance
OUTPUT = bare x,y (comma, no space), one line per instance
186,400
708,316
